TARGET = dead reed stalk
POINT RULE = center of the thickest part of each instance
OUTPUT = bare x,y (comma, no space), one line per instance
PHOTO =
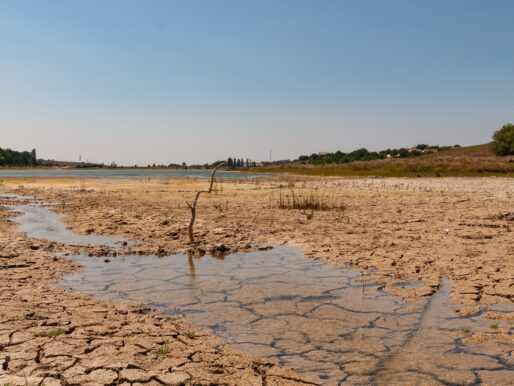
195,201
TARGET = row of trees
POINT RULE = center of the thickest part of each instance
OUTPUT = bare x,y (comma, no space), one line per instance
239,163
10,157
365,155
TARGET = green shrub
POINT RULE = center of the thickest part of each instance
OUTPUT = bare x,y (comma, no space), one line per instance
503,140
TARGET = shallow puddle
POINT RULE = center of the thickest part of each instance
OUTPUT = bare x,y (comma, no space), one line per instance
316,318
40,223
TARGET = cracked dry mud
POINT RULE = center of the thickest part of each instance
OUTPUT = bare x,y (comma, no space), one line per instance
52,336
415,232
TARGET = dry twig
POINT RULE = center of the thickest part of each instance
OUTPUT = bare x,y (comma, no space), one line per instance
195,201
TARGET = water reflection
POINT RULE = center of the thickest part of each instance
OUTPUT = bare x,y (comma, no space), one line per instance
316,318
40,223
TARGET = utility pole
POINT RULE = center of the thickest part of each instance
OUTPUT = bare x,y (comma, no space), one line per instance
270,158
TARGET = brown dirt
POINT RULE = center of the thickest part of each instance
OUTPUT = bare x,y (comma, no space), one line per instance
53,336
400,229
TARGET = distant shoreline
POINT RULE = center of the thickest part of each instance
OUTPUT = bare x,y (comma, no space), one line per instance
109,168
123,173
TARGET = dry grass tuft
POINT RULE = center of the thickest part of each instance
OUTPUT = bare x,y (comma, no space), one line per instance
307,197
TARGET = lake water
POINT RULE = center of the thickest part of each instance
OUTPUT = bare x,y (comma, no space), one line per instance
127,173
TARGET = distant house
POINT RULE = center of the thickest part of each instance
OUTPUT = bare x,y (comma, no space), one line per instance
322,153
429,151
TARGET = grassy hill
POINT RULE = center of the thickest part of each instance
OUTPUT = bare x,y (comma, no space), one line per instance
478,160
485,150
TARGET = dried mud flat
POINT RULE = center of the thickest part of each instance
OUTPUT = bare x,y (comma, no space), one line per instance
394,230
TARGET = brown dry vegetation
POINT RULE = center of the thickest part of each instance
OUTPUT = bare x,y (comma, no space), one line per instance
469,161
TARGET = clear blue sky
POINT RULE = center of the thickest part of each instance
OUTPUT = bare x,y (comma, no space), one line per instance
195,81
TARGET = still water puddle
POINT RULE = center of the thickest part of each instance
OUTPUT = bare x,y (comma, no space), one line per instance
40,223
316,318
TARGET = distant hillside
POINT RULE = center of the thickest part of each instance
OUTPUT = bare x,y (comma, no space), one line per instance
68,164
476,160
485,150
363,154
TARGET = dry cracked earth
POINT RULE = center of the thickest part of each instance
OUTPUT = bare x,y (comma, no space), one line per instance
392,230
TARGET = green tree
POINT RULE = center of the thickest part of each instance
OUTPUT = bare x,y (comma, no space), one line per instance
503,140
33,158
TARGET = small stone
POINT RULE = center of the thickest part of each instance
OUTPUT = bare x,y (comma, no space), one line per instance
219,249
51,382
102,376
135,375
174,379
466,311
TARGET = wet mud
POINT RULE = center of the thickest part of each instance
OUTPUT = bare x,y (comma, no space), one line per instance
325,322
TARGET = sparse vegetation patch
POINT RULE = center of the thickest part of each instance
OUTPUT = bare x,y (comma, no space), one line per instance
190,334
55,333
308,198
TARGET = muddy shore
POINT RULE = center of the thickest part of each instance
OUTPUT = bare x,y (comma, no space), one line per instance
394,230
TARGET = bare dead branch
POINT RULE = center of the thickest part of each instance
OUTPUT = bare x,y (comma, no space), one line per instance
195,201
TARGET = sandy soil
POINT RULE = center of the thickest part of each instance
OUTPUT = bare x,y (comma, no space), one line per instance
396,229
